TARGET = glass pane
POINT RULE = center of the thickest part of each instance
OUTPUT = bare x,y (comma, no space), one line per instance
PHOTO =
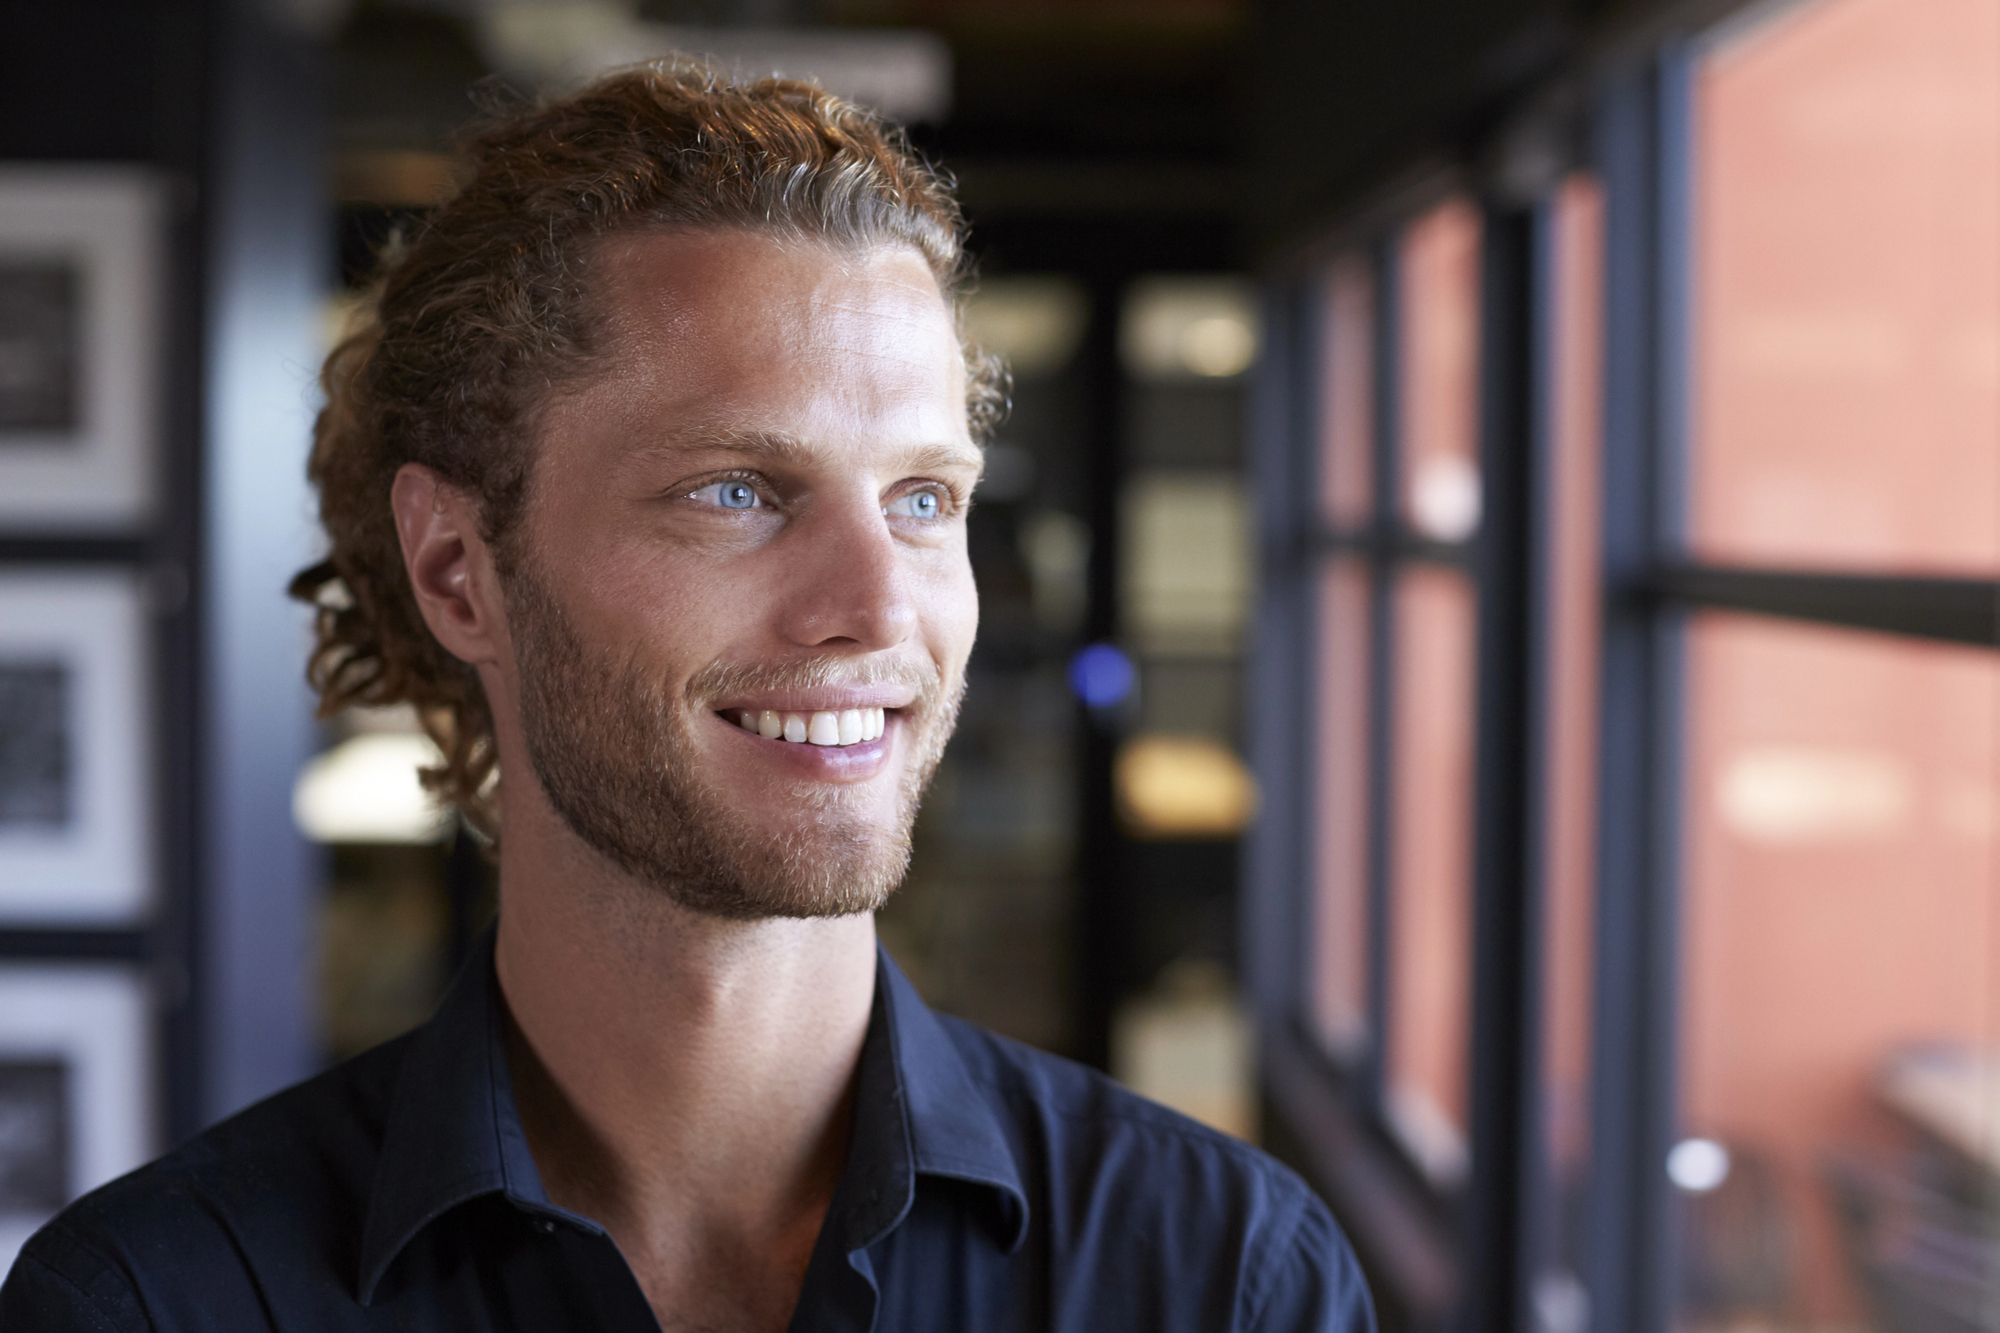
1347,384
1340,923
1846,354
1430,912
1840,1060
1569,765
1438,292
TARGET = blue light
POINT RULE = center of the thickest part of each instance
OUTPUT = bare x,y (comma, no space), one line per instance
1101,675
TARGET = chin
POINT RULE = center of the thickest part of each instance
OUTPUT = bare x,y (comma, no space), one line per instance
701,811
812,876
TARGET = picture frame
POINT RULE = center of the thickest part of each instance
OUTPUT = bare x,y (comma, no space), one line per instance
75,758
77,1087
80,300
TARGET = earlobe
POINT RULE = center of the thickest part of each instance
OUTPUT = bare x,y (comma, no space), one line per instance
449,566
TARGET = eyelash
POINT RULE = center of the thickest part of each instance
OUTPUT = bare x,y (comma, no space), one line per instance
948,500
952,502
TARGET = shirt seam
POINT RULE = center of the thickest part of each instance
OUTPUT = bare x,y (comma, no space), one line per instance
952,1159
1193,1130
1162,1119
1257,1288
83,1292
496,1048
1285,1187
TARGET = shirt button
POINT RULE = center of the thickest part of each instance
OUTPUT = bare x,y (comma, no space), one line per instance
545,1226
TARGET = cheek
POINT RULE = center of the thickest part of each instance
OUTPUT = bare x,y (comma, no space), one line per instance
649,603
952,611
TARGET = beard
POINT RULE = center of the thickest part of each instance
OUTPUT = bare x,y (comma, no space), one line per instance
613,746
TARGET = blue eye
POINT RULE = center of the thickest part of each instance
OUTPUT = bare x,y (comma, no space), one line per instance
917,504
729,495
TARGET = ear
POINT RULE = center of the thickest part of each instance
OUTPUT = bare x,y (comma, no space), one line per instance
449,564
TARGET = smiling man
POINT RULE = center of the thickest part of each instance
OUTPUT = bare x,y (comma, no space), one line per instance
647,484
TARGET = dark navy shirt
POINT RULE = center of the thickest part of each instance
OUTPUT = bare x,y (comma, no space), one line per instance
989,1186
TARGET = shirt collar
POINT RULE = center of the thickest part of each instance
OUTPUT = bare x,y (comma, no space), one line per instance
453,1133
954,1132
918,1112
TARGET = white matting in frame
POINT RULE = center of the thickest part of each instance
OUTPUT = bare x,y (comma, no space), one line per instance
80,277
76,1088
74,759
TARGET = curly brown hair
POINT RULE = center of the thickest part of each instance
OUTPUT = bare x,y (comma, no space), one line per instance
473,320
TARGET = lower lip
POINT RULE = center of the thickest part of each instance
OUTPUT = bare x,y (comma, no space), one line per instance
836,763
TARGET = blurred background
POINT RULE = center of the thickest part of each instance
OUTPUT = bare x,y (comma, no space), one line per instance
1489,595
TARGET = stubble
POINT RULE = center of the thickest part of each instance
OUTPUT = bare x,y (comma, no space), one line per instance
614,750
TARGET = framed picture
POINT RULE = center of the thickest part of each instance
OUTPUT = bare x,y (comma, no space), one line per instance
80,255
76,1088
74,760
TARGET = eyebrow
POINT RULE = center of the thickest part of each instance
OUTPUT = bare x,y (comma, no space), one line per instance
780,447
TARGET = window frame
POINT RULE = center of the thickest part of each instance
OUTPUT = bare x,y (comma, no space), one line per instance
1354,1138
1622,112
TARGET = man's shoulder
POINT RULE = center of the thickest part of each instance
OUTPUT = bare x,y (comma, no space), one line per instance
1092,1127
1123,1184
320,1135
293,1168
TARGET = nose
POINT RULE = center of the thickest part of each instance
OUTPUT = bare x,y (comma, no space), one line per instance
849,580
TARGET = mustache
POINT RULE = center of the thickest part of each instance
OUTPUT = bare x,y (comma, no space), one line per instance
923,678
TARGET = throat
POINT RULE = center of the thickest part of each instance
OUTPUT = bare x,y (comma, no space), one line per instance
749,1280
708,1146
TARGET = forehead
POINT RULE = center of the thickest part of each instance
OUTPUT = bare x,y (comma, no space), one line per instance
851,356
734,322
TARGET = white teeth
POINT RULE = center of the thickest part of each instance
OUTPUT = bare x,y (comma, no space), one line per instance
847,726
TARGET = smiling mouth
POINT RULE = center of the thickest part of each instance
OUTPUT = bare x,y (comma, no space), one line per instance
849,726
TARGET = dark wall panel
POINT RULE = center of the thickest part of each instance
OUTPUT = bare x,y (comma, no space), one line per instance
1349,93
105,80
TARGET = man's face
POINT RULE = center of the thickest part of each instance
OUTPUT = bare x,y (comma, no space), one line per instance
752,511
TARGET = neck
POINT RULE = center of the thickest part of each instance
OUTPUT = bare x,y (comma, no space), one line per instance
682,1080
